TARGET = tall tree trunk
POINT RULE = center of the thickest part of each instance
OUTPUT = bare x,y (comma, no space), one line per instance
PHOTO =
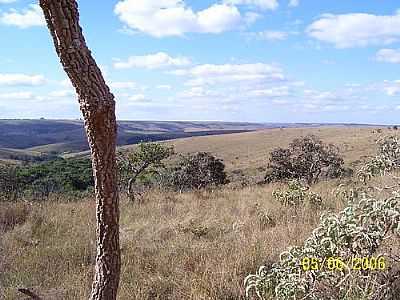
98,108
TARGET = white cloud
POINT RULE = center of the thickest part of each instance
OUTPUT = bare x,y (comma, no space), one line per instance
33,16
217,87
161,18
62,94
123,85
356,29
66,83
351,97
294,3
17,96
250,17
262,4
138,98
272,35
391,88
164,87
210,74
280,91
389,55
152,61
21,79
199,92
7,1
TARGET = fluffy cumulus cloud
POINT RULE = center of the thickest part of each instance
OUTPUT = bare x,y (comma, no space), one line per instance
33,16
152,61
294,3
262,4
211,74
21,80
356,29
231,87
161,18
389,56
7,1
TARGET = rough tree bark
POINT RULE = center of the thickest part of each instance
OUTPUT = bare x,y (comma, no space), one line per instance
98,108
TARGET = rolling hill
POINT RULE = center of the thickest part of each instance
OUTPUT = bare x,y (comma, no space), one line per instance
33,140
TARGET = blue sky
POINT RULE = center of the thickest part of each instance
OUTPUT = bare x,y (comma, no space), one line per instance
227,60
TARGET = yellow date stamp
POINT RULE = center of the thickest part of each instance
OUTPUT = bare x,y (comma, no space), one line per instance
340,264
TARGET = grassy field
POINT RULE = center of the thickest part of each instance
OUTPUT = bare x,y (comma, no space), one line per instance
195,245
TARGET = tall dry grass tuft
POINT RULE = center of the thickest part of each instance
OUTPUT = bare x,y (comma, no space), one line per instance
12,214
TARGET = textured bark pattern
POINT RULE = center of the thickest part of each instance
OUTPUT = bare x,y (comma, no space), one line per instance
98,108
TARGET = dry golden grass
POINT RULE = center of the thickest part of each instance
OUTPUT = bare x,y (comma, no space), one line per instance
192,246
198,245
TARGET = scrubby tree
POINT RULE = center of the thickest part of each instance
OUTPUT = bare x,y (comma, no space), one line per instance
145,160
197,171
307,158
98,108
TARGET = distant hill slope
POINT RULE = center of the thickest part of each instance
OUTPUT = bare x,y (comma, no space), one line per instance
32,140
69,135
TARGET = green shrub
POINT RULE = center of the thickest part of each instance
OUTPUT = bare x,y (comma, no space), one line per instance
196,171
386,160
307,158
297,194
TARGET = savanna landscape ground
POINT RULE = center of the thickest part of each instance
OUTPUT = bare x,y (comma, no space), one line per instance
192,245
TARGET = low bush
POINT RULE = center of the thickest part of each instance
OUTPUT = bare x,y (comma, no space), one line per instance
386,160
196,171
297,194
307,158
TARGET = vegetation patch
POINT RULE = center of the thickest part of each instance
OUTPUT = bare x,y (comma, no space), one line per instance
356,233
306,158
196,171
297,194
